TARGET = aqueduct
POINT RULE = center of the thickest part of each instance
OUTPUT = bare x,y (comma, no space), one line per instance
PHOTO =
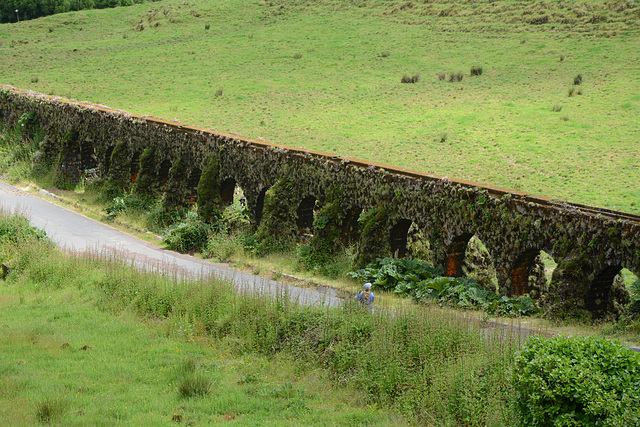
590,245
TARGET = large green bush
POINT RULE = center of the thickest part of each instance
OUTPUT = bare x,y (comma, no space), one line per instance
577,382
186,236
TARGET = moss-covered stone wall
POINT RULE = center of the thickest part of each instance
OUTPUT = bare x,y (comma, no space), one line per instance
588,244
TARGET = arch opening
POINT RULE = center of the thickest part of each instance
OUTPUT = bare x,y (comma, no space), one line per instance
227,191
531,274
306,215
259,209
351,226
236,212
163,172
192,184
598,297
135,166
398,238
87,156
469,257
456,254
107,160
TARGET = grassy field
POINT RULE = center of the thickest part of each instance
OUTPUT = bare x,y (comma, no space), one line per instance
87,340
328,76
73,353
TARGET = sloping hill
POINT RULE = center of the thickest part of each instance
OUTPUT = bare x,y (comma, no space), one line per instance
553,111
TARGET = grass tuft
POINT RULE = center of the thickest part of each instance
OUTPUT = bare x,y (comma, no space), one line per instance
476,71
455,77
194,386
50,410
556,108
410,79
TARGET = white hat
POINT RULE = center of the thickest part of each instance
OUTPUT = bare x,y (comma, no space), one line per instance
367,286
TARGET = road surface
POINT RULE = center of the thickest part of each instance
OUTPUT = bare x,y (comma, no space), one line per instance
75,232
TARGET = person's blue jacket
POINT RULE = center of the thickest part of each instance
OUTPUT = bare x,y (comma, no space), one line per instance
364,299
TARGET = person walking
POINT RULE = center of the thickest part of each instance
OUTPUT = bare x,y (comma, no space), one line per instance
365,297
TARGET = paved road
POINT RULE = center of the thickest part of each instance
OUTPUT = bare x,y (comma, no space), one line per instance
75,232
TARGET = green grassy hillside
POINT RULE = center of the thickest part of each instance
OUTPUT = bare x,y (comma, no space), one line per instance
327,76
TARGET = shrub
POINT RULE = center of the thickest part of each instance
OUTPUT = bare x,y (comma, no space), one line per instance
410,79
121,203
476,71
455,77
634,307
16,228
188,235
577,382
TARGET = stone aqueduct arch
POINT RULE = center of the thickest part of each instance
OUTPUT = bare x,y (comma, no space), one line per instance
590,245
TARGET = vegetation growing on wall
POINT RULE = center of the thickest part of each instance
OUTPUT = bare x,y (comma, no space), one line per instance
278,230
146,185
176,196
374,239
119,165
327,231
209,191
68,173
